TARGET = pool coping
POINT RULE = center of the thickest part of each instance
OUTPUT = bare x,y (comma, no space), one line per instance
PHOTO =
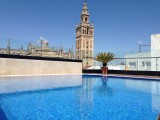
129,76
32,75
109,75
38,58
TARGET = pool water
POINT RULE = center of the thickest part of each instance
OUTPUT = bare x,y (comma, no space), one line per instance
76,97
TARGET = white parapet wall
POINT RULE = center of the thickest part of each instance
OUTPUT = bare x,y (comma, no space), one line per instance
12,66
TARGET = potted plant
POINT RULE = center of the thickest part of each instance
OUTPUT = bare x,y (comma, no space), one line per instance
104,57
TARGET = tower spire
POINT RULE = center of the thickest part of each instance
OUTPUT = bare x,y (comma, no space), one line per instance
85,1
85,9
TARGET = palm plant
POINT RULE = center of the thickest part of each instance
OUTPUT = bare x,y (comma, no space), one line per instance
104,57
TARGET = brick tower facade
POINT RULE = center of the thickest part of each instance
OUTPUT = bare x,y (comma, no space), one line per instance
85,38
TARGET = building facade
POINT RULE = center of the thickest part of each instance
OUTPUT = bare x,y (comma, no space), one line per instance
85,38
155,52
42,49
146,61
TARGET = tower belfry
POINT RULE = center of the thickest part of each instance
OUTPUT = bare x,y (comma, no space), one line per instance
85,38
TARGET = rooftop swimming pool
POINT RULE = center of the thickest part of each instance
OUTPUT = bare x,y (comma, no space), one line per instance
78,97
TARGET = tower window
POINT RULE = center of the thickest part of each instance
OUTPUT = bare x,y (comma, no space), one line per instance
91,44
86,19
87,42
87,30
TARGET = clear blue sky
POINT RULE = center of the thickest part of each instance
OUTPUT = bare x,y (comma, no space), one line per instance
119,24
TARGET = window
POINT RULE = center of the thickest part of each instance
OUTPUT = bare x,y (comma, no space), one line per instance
148,63
132,64
87,31
86,19
90,44
87,42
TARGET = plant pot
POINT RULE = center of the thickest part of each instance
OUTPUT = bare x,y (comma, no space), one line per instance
104,70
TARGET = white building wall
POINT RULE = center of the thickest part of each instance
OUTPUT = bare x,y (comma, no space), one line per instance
155,52
155,42
143,64
138,64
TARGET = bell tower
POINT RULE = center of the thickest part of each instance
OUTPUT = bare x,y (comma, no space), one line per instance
85,38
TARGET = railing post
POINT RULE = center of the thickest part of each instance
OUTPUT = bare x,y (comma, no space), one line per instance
137,65
125,66
41,47
156,66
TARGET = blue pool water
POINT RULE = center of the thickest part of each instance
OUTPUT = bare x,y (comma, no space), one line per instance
76,97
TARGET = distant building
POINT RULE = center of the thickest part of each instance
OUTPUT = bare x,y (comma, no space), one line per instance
155,42
35,50
85,38
147,61
155,52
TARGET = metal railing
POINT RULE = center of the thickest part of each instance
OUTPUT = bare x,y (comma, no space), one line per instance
129,61
144,61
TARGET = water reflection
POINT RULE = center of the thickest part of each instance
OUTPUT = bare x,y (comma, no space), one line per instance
152,87
19,84
86,97
104,89
87,94
155,95
85,102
